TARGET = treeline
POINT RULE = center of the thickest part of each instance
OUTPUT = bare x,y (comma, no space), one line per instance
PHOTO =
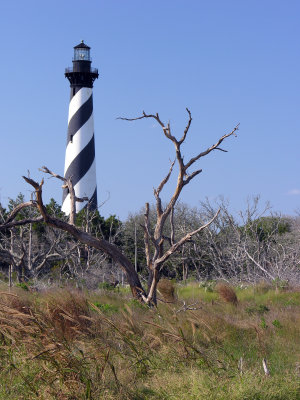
248,247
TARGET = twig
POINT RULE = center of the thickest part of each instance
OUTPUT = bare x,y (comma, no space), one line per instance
186,307
265,367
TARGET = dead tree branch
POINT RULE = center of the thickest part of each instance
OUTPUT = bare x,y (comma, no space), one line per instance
73,198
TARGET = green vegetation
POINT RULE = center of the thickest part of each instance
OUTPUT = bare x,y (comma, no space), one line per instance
23,286
106,286
105,307
265,227
66,344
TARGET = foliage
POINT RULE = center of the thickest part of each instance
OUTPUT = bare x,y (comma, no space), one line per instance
105,307
3,213
98,225
280,283
257,309
263,323
23,286
54,209
106,286
13,203
266,227
135,304
276,323
209,285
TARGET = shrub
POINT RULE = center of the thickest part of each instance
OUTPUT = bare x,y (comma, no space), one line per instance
227,293
208,286
263,323
260,309
276,323
106,286
167,289
23,286
280,284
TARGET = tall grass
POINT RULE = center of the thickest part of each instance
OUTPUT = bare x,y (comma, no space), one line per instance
66,344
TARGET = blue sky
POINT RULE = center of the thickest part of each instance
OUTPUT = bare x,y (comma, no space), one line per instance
228,61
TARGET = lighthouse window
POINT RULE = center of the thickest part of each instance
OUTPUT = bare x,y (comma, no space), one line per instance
71,138
82,54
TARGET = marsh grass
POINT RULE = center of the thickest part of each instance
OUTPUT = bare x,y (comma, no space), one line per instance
66,344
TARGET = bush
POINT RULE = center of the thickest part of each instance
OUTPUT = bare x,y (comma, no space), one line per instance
263,323
276,323
260,309
106,286
226,293
208,286
166,288
23,286
280,284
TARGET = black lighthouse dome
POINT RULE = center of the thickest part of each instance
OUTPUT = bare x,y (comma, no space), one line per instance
81,74
82,52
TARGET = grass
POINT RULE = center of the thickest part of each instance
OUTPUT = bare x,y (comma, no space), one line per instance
65,344
195,292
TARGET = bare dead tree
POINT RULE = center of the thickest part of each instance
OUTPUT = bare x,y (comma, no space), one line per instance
156,254
254,245
29,253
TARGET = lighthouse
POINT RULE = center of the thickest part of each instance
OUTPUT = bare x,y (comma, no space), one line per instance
80,163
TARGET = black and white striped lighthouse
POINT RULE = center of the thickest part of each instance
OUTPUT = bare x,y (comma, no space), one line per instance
80,162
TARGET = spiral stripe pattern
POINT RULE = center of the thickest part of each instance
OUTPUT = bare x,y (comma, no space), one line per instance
80,162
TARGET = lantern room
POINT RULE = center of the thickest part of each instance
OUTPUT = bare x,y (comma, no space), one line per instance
82,52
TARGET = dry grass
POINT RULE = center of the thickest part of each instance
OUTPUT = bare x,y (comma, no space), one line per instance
68,311
227,293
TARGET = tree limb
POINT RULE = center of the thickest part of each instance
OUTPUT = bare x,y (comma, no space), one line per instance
20,223
17,209
183,240
73,198
85,238
213,147
147,234
186,128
